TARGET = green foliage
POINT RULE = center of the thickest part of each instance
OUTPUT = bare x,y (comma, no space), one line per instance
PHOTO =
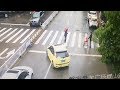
109,39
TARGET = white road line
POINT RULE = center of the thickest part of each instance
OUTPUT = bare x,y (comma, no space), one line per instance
37,51
47,71
41,37
44,42
28,35
72,54
54,37
85,55
73,39
8,35
14,24
5,32
79,40
68,36
92,44
60,39
21,36
14,35
2,30
3,51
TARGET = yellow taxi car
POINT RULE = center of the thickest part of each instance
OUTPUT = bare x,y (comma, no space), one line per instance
58,55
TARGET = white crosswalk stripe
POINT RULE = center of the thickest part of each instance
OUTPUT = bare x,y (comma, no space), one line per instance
21,36
28,35
60,39
2,30
54,37
41,37
92,44
73,39
79,40
44,42
8,35
3,51
5,32
14,35
68,37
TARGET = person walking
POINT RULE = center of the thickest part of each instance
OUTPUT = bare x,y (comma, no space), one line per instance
65,34
85,40
90,37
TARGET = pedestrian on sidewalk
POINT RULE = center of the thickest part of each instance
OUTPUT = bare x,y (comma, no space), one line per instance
65,34
90,37
85,40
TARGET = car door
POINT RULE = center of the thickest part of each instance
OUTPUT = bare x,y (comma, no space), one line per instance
51,53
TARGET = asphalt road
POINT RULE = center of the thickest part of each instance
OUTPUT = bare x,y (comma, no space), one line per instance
13,36
83,61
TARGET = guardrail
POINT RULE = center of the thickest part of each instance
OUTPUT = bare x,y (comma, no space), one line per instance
49,19
12,60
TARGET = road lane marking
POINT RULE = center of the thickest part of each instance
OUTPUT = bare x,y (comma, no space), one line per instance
48,36
15,24
92,44
8,35
47,71
28,35
72,54
54,37
68,36
3,51
41,37
14,35
73,39
5,32
34,51
60,39
79,40
2,30
21,36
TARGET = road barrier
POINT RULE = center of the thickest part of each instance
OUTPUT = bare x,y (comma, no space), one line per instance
49,19
13,59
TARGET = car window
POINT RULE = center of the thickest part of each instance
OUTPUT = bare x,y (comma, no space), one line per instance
92,12
51,49
23,75
41,13
12,71
62,54
36,15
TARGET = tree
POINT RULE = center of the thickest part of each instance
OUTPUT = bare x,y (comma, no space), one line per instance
109,39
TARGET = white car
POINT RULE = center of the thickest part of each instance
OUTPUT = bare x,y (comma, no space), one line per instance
93,23
20,72
92,14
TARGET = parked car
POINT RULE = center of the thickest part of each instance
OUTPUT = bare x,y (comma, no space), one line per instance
6,13
92,14
36,18
20,72
93,23
58,55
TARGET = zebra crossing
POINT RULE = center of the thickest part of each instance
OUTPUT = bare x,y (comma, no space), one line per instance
74,39
15,35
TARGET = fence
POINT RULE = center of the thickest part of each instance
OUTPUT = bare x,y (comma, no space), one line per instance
49,19
12,60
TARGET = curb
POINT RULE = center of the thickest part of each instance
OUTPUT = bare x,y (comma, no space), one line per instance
49,19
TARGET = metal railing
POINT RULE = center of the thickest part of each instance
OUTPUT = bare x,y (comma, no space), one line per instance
12,60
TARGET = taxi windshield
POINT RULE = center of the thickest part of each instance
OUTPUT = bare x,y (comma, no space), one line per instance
62,54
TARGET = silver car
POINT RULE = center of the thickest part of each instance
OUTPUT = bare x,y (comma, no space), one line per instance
20,72
36,18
